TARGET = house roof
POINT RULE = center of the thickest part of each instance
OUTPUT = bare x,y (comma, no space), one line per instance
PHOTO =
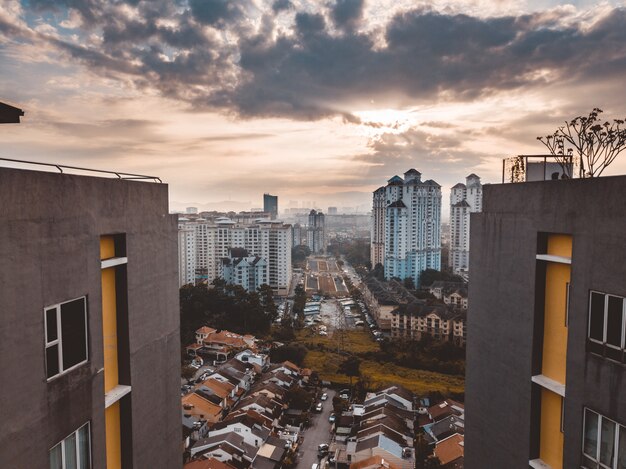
459,185
229,442
194,404
219,388
206,330
450,449
445,409
374,462
210,463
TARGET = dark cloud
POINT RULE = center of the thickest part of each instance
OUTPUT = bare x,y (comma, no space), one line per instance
347,13
281,5
216,11
207,53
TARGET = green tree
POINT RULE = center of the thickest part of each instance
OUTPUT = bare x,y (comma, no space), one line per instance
350,367
298,398
267,301
596,143
299,254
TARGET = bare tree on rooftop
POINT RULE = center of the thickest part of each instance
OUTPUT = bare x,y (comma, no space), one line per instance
596,143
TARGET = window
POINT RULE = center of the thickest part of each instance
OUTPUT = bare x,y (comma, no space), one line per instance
604,443
73,452
607,326
65,336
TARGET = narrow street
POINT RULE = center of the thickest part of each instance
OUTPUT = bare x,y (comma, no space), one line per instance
319,432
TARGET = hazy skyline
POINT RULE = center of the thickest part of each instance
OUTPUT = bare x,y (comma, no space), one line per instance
227,100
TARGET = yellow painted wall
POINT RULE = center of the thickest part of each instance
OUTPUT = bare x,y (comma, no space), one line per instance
551,438
113,440
109,317
107,247
554,330
560,245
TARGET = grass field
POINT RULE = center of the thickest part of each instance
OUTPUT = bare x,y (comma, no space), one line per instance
353,341
326,363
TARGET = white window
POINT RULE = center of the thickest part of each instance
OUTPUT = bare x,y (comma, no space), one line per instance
65,336
604,443
74,452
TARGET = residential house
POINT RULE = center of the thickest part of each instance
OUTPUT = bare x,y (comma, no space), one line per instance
450,452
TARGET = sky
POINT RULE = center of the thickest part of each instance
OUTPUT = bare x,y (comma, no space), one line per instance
310,100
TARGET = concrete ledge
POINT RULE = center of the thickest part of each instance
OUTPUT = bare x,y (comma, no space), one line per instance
112,262
549,384
115,395
551,258
538,464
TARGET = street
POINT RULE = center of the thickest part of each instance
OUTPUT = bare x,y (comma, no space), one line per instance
318,432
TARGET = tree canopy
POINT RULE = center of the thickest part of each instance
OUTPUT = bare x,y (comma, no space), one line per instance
594,142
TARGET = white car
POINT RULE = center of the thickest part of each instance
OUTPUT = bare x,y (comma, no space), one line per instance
324,397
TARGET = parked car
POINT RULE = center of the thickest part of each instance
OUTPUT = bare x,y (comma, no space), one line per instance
332,418
318,407
324,397
322,449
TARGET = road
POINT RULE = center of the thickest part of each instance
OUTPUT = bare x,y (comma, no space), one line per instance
318,432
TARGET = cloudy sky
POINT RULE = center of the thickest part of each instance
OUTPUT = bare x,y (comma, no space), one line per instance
311,100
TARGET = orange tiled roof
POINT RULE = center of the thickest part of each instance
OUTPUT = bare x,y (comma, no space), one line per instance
206,330
374,461
220,389
201,407
450,449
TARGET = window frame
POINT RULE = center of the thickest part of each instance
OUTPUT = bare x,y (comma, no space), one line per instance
616,437
76,434
603,343
59,338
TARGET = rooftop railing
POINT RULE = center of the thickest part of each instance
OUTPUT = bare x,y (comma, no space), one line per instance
526,168
63,168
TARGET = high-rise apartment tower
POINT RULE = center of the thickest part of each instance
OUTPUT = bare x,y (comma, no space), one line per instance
464,199
406,226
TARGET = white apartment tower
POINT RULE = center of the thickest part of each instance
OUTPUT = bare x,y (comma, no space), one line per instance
316,232
464,199
379,207
186,253
267,239
406,226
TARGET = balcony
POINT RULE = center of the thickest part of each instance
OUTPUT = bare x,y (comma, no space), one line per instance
528,168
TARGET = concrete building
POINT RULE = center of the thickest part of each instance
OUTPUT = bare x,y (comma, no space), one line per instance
406,226
546,351
90,339
270,205
379,208
187,253
267,239
249,272
316,232
296,234
464,199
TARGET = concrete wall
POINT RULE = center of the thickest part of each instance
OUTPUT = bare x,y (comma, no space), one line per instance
50,228
501,351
